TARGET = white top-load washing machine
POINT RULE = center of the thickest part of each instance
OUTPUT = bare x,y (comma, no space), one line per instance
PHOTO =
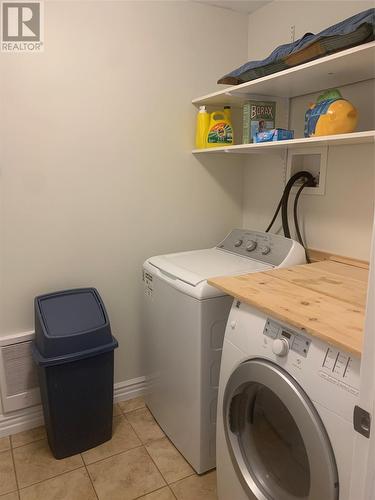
184,323
285,412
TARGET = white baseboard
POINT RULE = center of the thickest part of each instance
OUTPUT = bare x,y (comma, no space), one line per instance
129,389
28,418
21,420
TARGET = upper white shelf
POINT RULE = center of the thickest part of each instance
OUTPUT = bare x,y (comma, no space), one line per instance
305,142
342,68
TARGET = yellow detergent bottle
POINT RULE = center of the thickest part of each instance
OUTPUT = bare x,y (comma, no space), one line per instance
228,113
203,120
220,130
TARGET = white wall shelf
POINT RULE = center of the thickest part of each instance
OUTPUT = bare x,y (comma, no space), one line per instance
367,137
342,68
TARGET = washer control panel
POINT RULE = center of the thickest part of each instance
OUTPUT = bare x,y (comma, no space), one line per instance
285,339
265,247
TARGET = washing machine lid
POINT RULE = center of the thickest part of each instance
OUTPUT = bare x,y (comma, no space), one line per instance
198,265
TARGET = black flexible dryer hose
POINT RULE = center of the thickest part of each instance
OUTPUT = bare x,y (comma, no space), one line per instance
285,198
275,215
295,216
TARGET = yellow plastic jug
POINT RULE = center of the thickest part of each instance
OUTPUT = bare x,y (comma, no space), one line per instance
220,130
203,120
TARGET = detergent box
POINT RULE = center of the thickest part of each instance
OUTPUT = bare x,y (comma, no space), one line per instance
275,134
257,117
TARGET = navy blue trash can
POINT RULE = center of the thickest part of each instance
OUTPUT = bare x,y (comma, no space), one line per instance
73,349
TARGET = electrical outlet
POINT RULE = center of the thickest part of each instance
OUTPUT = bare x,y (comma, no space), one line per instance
293,33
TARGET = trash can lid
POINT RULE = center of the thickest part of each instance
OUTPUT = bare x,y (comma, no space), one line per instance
75,356
71,312
71,322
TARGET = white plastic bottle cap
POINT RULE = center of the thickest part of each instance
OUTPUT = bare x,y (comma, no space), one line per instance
202,109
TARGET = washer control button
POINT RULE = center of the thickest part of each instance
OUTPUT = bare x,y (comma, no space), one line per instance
251,245
280,347
238,243
265,250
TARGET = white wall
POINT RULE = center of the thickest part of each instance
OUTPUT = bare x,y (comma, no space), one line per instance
96,168
341,220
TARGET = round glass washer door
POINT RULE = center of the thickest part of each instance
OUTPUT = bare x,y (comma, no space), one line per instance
277,441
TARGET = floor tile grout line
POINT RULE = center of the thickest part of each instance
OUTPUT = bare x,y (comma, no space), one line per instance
162,475
125,414
183,479
13,447
4,438
160,472
130,411
15,469
25,431
145,443
52,477
154,491
170,489
26,444
90,479
81,466
193,473
166,485
85,466
135,432
145,446
110,456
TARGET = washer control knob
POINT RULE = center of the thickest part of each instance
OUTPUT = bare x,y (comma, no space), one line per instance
280,347
251,245
265,250
238,243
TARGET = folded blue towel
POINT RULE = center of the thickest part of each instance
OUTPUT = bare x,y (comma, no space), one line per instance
346,27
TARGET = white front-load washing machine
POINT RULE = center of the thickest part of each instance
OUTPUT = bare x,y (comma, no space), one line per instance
184,324
285,412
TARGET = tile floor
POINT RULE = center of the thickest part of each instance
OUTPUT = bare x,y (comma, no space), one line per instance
138,463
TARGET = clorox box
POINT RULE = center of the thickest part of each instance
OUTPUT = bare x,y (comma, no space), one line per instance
258,116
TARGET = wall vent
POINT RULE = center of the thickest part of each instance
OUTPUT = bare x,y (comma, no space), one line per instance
18,374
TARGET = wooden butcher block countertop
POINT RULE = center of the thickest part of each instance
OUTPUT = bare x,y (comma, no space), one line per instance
326,299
